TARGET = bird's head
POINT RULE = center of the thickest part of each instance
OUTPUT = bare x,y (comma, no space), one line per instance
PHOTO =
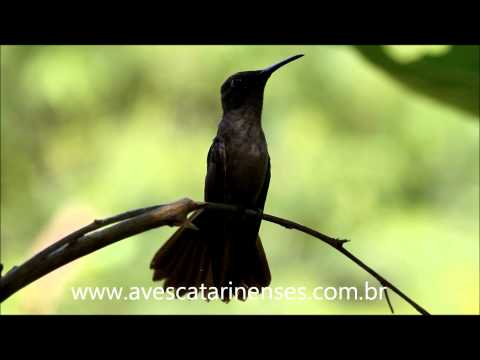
246,88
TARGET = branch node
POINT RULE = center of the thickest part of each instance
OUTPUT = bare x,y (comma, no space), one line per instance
341,242
175,214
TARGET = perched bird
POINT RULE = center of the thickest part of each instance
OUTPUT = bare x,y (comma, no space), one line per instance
225,250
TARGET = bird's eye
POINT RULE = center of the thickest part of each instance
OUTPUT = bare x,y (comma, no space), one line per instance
235,82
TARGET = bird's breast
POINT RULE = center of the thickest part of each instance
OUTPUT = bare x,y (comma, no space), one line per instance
247,168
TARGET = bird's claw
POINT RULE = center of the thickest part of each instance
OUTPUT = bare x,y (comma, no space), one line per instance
190,225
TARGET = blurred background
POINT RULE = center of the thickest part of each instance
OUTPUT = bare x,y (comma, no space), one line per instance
379,145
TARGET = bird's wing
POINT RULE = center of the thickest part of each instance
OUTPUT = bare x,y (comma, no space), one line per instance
215,181
263,194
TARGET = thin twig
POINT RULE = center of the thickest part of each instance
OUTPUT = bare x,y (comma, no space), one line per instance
96,224
335,243
388,301
87,240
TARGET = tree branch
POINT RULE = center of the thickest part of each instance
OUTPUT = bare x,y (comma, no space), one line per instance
99,234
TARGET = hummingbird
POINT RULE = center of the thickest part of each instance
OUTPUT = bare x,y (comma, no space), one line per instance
223,249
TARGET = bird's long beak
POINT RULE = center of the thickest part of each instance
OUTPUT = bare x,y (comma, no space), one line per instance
269,70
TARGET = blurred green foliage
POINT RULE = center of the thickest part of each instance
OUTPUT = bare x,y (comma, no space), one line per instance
90,131
451,76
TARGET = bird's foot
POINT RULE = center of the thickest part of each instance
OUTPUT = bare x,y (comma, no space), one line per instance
259,212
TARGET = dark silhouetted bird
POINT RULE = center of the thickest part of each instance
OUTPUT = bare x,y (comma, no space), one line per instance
226,250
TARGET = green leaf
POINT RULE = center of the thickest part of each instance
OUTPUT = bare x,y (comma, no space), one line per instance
451,77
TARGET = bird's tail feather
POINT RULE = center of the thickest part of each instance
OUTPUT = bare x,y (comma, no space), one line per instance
191,258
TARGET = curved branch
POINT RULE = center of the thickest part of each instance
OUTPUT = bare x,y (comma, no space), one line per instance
97,235
91,238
